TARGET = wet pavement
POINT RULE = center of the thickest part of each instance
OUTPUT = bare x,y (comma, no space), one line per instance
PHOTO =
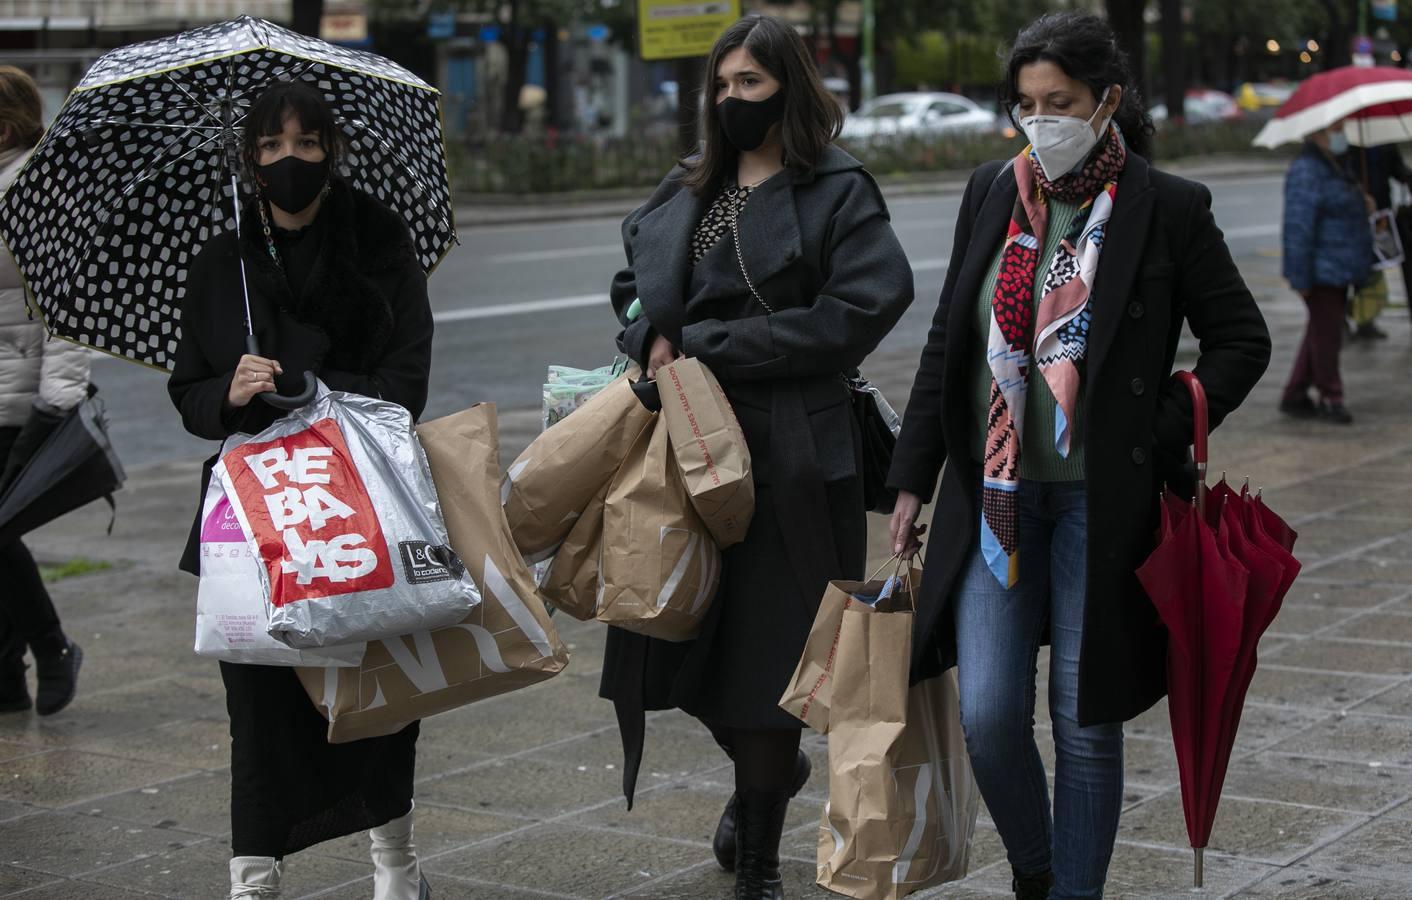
125,793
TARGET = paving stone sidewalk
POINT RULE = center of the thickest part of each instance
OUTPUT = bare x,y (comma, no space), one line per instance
125,794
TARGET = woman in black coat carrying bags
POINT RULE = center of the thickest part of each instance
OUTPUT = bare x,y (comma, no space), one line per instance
770,257
335,288
1045,390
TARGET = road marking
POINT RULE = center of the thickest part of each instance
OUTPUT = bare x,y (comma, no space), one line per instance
582,301
1253,231
547,255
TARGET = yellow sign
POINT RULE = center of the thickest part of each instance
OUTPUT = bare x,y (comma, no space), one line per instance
671,29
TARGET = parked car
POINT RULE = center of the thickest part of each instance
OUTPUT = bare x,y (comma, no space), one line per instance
1261,96
1203,106
918,115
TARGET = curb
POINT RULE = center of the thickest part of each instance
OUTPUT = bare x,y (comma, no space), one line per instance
492,210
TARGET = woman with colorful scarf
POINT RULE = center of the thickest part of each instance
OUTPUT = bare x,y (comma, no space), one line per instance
1045,390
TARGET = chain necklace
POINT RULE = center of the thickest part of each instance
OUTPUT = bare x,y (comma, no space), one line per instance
262,205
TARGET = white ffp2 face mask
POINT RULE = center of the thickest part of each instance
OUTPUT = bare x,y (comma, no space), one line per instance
1063,142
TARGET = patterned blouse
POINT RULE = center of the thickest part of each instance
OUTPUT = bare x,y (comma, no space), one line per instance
717,222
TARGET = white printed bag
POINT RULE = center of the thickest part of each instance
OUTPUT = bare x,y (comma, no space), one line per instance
231,621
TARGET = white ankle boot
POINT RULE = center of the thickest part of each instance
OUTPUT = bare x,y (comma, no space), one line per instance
253,877
397,874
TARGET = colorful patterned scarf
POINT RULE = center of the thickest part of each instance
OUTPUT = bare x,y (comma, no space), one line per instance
1057,342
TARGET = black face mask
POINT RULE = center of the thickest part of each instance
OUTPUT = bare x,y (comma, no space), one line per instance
747,123
292,183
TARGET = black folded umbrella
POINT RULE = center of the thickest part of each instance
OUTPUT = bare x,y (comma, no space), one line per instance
74,466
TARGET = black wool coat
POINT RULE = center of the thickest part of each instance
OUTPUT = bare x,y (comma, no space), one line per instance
1165,263
820,248
362,323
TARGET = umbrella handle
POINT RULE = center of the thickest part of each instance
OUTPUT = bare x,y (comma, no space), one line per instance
1201,422
285,401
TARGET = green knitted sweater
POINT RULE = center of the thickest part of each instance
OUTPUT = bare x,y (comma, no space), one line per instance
1039,460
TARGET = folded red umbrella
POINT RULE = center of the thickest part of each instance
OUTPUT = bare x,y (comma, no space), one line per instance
1220,571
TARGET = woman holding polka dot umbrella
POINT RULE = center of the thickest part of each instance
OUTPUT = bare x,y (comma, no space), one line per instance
141,168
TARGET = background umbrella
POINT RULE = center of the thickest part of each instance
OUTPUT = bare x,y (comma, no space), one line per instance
141,168
1218,576
74,465
1332,96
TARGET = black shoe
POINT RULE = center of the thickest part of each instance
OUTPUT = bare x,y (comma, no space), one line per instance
1303,408
14,690
1032,887
424,891
1369,331
723,844
759,824
1335,413
58,679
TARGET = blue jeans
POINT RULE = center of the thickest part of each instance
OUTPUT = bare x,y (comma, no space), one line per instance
998,634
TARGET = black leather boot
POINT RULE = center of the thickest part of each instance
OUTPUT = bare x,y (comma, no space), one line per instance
723,844
58,679
1032,887
759,824
14,691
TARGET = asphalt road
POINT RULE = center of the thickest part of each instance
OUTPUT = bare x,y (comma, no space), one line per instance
513,299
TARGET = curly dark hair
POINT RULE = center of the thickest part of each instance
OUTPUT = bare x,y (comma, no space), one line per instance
1085,47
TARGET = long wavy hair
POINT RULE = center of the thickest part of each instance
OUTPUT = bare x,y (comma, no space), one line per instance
812,117
1085,47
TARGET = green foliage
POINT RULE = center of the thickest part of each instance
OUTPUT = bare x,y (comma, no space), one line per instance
933,59
73,568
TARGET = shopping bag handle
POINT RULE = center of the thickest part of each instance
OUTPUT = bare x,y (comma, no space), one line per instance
285,401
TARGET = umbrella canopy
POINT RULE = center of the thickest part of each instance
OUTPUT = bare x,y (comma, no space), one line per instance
74,465
1218,576
140,169
1333,96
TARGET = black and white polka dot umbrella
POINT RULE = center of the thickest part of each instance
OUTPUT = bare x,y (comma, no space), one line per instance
140,167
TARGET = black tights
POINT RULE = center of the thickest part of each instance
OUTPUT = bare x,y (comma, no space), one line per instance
764,757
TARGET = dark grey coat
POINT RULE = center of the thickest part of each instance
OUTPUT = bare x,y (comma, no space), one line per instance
820,248
1165,263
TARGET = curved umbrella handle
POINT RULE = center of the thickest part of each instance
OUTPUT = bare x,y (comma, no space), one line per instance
285,401
1201,422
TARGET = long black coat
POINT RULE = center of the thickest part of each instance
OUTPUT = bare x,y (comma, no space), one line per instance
1165,262
820,248
363,324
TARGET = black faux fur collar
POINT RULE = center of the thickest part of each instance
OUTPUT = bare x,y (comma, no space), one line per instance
362,240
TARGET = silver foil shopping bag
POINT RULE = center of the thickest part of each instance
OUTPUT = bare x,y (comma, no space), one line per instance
338,501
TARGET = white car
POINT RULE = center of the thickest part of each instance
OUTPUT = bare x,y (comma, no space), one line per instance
918,115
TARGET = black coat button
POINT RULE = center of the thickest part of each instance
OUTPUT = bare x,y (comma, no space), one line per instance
1139,456
1136,309
1138,387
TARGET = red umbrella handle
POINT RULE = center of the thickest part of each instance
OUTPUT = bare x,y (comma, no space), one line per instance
1201,429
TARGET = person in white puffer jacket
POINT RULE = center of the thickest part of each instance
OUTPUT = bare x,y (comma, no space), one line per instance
40,378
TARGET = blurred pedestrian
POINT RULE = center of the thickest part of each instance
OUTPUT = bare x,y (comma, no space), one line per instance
769,256
1044,401
1375,168
40,379
1328,251
336,273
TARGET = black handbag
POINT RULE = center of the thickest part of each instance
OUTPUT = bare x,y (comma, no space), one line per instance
878,426
878,422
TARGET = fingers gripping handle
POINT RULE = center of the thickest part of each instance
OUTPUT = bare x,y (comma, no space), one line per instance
285,401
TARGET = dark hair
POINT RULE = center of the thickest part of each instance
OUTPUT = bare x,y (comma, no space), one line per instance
20,106
1085,47
812,117
268,113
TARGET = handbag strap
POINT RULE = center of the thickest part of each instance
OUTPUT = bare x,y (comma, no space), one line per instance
740,258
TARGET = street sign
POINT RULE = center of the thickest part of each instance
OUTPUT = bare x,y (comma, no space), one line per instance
672,29
441,26
1385,10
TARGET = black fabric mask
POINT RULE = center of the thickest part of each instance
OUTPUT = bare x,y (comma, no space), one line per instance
747,123
292,183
